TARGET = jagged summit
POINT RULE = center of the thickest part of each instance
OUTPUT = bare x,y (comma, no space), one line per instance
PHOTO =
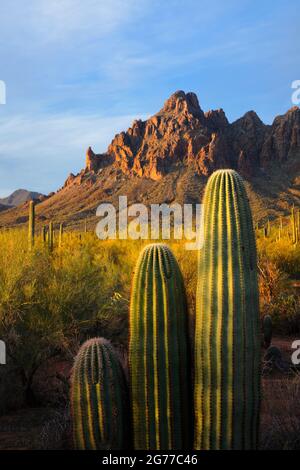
182,134
181,102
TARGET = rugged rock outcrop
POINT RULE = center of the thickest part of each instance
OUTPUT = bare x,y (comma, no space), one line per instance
182,134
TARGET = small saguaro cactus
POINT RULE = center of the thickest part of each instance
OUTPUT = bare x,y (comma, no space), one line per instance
31,224
227,338
267,331
99,398
159,365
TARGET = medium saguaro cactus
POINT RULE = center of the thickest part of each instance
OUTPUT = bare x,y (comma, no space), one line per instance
31,224
159,366
51,236
98,398
267,331
227,339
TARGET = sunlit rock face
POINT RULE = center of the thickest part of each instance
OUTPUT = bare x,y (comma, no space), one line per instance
181,134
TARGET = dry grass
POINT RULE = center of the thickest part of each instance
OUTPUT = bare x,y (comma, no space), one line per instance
280,414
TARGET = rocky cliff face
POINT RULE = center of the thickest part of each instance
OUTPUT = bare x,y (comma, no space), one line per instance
181,134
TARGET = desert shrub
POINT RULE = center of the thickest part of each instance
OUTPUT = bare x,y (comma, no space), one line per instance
283,254
50,302
276,297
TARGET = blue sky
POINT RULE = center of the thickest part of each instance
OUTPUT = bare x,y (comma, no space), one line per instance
77,72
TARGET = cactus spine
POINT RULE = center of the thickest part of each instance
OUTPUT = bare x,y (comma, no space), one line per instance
227,339
158,353
267,330
98,397
31,225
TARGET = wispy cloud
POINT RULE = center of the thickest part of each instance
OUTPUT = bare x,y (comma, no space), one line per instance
62,20
44,149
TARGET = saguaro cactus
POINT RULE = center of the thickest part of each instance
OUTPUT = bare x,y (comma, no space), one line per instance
98,398
44,234
158,353
51,236
31,224
294,226
227,339
267,330
61,233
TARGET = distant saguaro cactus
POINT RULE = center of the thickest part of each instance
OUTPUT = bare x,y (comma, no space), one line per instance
159,365
44,234
61,232
294,226
227,339
51,236
99,398
31,224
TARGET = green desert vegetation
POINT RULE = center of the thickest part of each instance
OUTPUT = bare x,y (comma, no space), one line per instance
60,288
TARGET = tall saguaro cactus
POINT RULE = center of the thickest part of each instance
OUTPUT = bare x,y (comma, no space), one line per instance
227,339
98,398
158,353
31,224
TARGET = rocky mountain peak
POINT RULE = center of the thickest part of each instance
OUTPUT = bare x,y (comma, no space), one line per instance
182,135
181,102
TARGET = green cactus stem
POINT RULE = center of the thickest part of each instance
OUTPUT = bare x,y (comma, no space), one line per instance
227,338
99,398
159,365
